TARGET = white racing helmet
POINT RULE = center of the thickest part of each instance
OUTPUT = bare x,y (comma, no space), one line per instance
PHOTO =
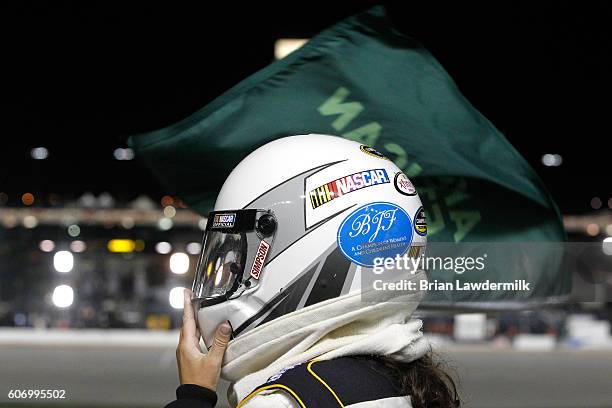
297,222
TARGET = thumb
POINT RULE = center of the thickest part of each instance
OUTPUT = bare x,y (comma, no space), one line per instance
222,338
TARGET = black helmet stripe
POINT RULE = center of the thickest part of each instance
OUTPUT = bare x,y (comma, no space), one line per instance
293,290
331,279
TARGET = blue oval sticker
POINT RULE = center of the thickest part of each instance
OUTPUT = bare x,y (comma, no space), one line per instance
375,230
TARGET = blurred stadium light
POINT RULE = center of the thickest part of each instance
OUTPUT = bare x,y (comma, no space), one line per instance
63,261
99,217
121,245
63,296
176,297
179,263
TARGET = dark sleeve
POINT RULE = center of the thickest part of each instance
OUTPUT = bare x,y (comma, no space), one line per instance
193,396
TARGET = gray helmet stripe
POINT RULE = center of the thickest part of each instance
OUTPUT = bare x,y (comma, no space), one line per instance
303,176
291,220
314,227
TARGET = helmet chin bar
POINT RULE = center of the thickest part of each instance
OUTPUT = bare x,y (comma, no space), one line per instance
210,317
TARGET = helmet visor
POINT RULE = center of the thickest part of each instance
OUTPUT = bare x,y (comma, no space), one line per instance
220,264
229,252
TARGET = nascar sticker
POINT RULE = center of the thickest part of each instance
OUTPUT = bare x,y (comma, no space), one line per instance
224,220
347,184
378,229
372,152
260,258
403,185
420,224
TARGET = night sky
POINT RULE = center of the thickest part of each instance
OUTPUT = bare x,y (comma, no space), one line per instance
80,78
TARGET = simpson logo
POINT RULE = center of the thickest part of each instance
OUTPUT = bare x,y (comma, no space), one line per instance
260,258
372,152
224,220
347,184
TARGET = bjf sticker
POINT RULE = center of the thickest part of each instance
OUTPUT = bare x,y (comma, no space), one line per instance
403,185
420,223
378,229
260,258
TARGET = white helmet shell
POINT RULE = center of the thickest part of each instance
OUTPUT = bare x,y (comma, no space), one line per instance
337,205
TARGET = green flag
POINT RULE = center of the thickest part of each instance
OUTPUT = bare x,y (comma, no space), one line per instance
363,80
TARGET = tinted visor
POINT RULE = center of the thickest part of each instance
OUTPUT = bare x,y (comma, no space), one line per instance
229,250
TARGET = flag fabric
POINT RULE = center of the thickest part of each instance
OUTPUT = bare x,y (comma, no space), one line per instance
365,81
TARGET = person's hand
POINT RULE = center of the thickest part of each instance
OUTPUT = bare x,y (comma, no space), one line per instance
194,366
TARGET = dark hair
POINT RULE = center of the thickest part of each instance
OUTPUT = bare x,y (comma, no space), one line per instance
425,380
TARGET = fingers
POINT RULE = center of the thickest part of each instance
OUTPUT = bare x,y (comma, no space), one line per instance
189,329
222,338
188,313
